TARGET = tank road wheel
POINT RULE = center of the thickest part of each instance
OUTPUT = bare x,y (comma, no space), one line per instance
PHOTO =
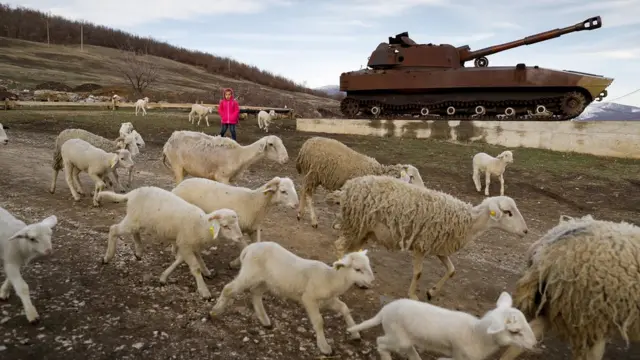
573,104
424,111
375,110
540,109
509,111
349,107
451,110
480,110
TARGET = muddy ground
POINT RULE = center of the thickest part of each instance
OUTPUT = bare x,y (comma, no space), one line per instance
119,311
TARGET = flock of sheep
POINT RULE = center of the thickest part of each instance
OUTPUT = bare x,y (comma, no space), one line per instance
581,279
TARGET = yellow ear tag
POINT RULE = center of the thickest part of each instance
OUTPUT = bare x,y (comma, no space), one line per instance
212,230
492,213
112,162
403,173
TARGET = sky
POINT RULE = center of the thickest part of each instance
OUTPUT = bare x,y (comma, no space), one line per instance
313,42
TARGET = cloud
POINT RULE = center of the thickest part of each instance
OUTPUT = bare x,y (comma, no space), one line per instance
287,37
621,54
138,12
455,40
380,8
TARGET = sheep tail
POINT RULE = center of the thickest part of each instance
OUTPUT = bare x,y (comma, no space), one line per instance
112,196
333,198
367,324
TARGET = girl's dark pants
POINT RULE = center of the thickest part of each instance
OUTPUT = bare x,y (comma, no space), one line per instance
231,127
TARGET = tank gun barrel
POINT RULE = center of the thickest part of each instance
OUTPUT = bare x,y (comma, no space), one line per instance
588,24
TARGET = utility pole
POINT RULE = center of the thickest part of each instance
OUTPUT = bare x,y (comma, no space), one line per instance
229,65
48,38
82,36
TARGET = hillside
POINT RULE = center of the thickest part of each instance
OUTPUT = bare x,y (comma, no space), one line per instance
25,64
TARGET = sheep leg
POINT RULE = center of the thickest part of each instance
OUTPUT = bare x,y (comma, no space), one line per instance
317,322
203,267
54,179
68,175
199,119
476,179
22,289
130,180
307,193
451,270
115,231
206,118
418,259
385,346
238,285
165,274
255,237
137,245
99,186
191,260
341,308
75,176
4,290
178,173
257,293
596,352
539,326
501,185
312,212
487,179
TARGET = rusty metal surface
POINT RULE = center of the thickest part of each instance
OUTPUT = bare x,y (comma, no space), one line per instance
431,82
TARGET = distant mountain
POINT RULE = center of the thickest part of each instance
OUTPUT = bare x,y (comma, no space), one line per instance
595,112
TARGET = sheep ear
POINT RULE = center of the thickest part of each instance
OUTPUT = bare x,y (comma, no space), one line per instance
494,211
214,229
272,185
364,252
263,145
214,217
504,300
114,161
497,325
18,234
344,262
51,221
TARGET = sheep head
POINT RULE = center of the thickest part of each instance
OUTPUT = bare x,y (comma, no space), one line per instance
413,174
225,222
508,325
283,190
505,156
121,158
358,267
274,149
35,238
504,215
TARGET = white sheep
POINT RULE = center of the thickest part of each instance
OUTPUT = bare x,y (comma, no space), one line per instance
200,110
489,165
264,119
168,217
19,245
251,205
4,139
580,282
329,163
267,266
406,217
409,324
141,104
80,156
211,157
115,100
128,142
126,129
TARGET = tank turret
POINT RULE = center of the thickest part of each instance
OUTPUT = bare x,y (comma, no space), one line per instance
428,81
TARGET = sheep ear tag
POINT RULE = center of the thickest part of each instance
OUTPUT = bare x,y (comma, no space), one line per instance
212,230
112,162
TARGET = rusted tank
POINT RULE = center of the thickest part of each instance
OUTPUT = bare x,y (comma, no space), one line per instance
428,81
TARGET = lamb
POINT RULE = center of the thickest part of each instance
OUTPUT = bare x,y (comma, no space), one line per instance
251,205
264,119
79,155
19,245
581,282
267,266
126,129
216,159
200,110
483,162
141,104
4,139
406,217
115,100
128,142
408,323
168,217
328,162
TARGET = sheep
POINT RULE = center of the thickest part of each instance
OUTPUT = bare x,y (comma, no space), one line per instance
580,281
141,104
79,155
4,139
267,266
328,162
483,162
200,110
115,100
126,129
169,217
408,323
216,159
264,119
251,205
128,142
244,116
406,217
19,245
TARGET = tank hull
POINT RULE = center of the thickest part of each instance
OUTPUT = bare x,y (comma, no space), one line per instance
482,93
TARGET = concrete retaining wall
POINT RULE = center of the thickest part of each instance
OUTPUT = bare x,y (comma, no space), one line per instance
603,138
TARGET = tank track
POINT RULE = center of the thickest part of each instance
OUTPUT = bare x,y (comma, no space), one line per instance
558,108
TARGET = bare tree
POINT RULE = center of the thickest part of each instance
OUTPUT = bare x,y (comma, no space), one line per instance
137,69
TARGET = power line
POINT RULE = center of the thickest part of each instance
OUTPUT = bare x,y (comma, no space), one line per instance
623,96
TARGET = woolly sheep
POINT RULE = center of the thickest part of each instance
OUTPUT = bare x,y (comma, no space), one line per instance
217,159
251,205
264,119
408,323
19,245
128,142
267,266
200,110
483,162
329,163
168,217
581,282
407,217
135,150
79,155
141,104
4,139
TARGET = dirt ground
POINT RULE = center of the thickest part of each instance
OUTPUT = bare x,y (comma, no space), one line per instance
119,310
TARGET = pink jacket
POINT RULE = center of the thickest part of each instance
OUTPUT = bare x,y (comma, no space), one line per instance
229,110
